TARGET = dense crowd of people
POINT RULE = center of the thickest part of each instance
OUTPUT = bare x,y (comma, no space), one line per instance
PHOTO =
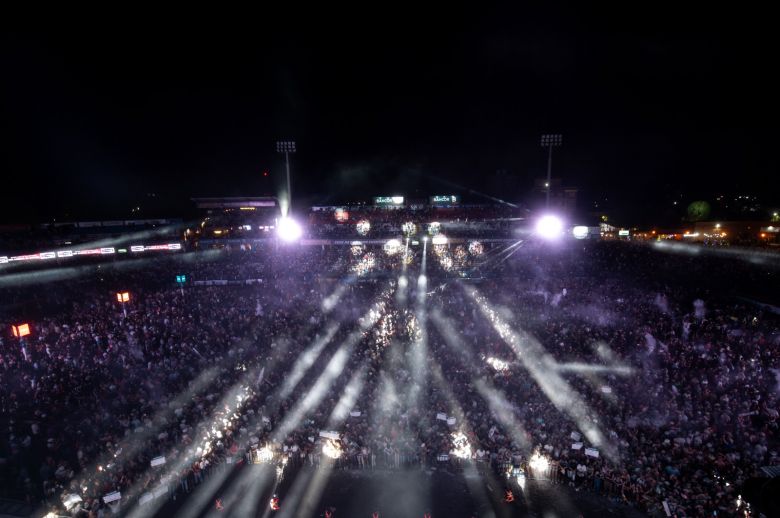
529,351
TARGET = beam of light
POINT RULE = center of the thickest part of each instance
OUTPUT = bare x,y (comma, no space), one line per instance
537,362
288,229
549,227
347,400
499,256
742,254
202,444
333,369
305,360
332,300
585,368
316,393
308,488
504,412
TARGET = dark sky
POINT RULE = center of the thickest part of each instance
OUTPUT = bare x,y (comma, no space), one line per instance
652,103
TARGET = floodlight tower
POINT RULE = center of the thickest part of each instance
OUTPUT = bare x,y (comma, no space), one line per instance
286,147
550,141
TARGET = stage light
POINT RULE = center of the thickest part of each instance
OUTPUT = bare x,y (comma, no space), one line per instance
580,232
439,239
392,247
549,227
539,462
289,230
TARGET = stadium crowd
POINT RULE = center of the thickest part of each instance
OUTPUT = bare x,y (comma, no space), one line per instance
678,376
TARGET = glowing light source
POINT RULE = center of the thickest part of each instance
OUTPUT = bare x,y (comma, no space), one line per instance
265,454
363,226
409,228
549,226
392,247
439,239
539,462
289,229
460,446
580,232
332,449
499,365
476,248
21,330
123,296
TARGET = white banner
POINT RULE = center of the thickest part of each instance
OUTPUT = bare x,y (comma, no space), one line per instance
592,452
355,413
450,421
575,436
112,497
329,435
576,446
158,461
441,417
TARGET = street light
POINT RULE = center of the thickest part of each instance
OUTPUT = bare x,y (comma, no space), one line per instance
286,147
550,141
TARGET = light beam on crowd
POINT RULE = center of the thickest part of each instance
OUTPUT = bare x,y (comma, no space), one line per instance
589,368
331,372
204,442
307,359
332,300
348,398
314,486
501,408
742,254
316,393
538,363
504,412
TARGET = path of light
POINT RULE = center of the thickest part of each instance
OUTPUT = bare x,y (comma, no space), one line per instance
306,360
537,362
743,254
587,368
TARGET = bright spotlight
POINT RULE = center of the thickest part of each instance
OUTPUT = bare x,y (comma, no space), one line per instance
549,226
439,239
332,449
392,247
288,229
539,462
580,232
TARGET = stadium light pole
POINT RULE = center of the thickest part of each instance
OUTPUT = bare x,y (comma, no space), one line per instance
286,147
550,141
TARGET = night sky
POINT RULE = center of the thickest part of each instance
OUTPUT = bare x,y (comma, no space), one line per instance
653,105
